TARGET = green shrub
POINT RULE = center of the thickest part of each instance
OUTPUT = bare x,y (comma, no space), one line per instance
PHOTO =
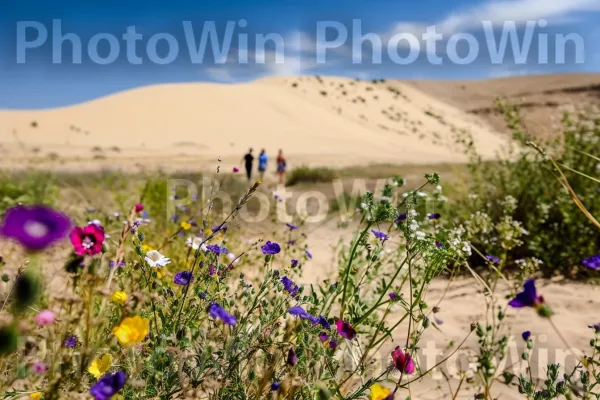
310,175
27,188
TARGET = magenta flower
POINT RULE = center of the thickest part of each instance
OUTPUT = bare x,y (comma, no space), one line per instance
139,208
108,386
183,278
211,270
218,312
403,361
528,297
345,329
270,248
292,359
592,262
39,367
236,170
44,317
87,240
35,228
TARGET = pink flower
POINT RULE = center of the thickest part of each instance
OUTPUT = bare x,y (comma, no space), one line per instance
87,240
44,317
139,207
236,169
39,367
403,361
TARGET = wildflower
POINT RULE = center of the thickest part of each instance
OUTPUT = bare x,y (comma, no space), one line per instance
211,270
493,259
119,297
218,312
131,331
71,341
333,344
87,240
394,296
155,259
35,228
236,170
275,386
323,337
595,327
291,242
345,329
139,208
195,243
35,395
39,367
292,227
215,248
218,228
403,361
186,226
291,357
529,298
380,235
401,217
202,295
44,317
298,311
592,262
308,254
438,244
183,278
289,285
294,263
108,386
379,392
270,248
323,322
100,365
95,222
434,216
526,335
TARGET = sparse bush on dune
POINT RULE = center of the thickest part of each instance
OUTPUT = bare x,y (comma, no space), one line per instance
305,174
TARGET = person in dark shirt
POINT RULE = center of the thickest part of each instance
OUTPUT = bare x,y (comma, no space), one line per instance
248,161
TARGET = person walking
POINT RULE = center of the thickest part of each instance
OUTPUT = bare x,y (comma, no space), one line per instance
281,166
262,163
248,161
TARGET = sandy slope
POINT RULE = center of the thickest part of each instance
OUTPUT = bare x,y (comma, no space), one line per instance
329,121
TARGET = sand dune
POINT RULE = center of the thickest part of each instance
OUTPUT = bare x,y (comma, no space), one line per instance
327,121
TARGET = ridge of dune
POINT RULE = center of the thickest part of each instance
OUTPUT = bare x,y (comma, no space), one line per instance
334,120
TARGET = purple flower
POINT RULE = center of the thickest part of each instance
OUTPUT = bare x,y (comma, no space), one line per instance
298,311
275,386
493,259
380,235
595,327
292,359
308,254
35,228
321,320
292,227
183,278
323,337
433,216
592,262
291,242
270,248
289,285
403,361
345,329
401,217
438,245
71,341
333,344
218,312
218,228
526,335
294,263
215,248
108,386
394,296
528,297
211,270
39,367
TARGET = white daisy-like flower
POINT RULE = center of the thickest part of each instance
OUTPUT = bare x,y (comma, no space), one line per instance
195,243
95,222
155,259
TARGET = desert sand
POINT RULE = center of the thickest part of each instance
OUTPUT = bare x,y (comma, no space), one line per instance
323,121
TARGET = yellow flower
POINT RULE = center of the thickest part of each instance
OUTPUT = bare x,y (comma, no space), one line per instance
378,392
186,226
146,248
100,365
35,395
119,297
208,232
159,273
131,331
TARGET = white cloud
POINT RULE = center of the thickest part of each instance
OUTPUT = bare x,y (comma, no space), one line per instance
219,74
501,11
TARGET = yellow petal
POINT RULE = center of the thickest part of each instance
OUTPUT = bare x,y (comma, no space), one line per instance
379,392
186,226
35,395
100,365
119,297
132,330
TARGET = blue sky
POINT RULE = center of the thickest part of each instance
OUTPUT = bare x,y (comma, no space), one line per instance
37,71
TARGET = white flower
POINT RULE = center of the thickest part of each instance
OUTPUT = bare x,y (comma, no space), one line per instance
438,188
195,243
231,256
95,222
420,235
155,259
421,194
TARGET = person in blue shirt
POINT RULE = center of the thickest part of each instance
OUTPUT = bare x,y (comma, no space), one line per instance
262,163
